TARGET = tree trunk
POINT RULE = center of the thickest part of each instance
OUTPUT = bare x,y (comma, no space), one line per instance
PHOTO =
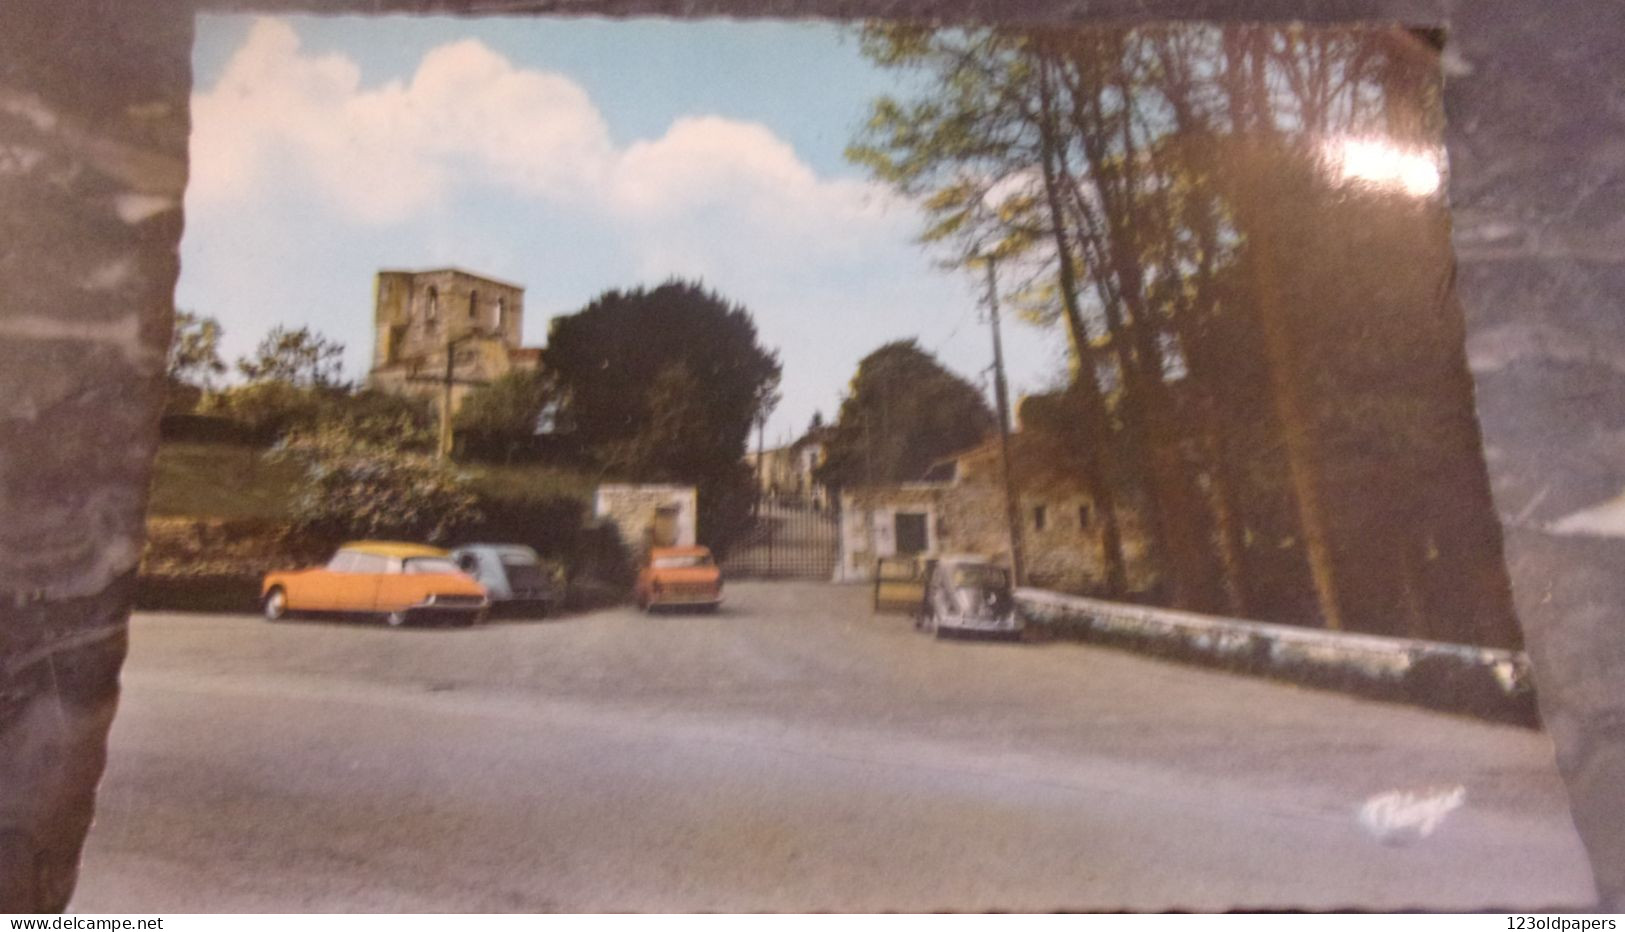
1172,506
1085,382
1254,125
1198,215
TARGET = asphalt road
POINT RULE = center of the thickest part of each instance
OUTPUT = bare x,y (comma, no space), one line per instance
793,752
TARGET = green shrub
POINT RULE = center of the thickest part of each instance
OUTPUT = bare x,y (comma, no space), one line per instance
355,488
382,419
269,410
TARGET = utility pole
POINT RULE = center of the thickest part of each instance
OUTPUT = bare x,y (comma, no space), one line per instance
1001,397
761,462
443,444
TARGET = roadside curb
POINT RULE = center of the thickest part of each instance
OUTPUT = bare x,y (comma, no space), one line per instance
1482,682
234,593
239,594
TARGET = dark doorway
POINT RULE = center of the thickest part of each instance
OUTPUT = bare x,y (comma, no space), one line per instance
911,533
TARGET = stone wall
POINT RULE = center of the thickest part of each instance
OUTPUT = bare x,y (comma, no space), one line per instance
214,564
417,312
868,524
633,510
478,360
93,136
1060,529
1537,187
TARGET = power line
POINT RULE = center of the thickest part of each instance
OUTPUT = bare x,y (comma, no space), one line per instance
963,318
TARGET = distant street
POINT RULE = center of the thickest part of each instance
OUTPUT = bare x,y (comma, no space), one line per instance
794,752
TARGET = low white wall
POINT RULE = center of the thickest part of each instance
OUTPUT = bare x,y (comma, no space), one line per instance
632,509
1456,677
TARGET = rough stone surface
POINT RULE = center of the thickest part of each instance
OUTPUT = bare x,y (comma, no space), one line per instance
418,314
1422,12
1486,682
1538,181
967,514
93,129
649,515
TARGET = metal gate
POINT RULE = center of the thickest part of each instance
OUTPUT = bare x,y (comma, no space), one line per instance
790,538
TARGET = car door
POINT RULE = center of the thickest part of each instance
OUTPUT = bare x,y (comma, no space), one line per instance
318,590
376,584
899,584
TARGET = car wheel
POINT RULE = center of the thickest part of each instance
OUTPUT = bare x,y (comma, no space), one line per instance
395,619
276,604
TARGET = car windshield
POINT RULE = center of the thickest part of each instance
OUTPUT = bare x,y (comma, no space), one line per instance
430,565
987,577
677,561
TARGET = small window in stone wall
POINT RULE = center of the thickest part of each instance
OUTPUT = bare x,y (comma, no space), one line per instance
473,305
1083,516
1040,517
432,315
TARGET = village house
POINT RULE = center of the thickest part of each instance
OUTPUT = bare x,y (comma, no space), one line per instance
774,470
420,317
959,506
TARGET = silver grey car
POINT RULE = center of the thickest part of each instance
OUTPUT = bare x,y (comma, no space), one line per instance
968,594
515,576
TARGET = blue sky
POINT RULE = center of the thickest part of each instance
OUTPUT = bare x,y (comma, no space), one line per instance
570,156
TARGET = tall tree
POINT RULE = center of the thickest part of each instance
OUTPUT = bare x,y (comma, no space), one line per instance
664,384
300,357
904,412
983,152
194,352
194,359
1240,298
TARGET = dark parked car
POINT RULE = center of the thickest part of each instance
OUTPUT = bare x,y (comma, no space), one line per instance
969,594
514,575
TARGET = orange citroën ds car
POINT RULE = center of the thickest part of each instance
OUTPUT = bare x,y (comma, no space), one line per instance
400,582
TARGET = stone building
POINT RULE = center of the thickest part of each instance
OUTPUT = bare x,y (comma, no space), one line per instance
649,515
421,316
774,470
959,507
786,473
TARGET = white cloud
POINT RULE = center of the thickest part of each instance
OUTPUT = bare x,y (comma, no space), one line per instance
382,154
468,116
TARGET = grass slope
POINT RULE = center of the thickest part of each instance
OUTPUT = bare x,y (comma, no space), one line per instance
233,481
